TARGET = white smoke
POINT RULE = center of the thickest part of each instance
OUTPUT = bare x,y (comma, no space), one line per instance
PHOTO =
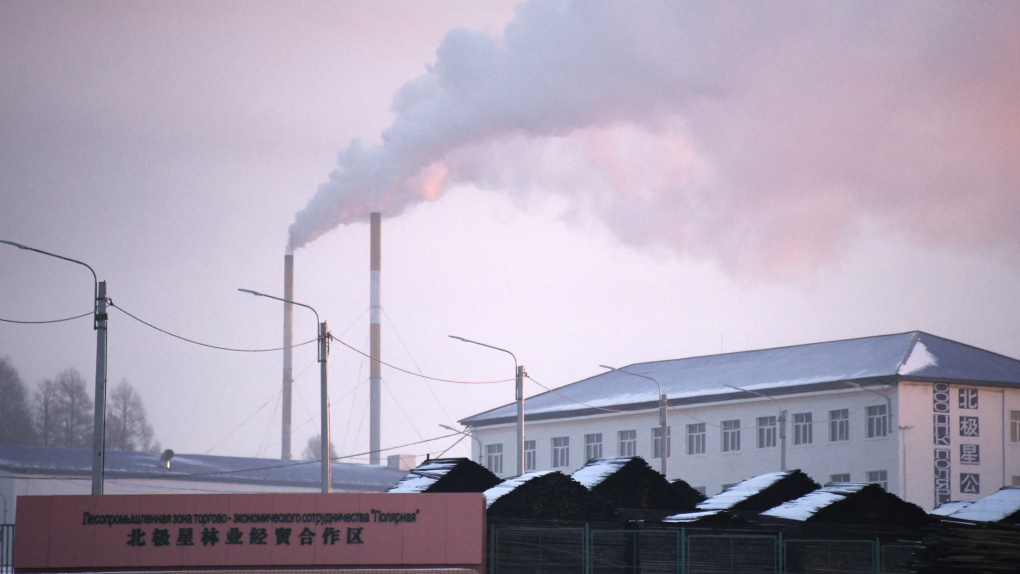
759,133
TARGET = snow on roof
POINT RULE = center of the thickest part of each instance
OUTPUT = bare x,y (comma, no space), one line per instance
425,475
918,360
690,516
992,508
510,484
73,462
949,508
914,354
806,506
593,473
742,491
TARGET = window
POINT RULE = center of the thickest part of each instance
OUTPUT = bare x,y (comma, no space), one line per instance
696,439
730,436
494,458
1014,426
530,456
592,446
561,451
839,425
878,421
879,477
628,442
657,442
802,428
844,477
702,490
766,432
726,487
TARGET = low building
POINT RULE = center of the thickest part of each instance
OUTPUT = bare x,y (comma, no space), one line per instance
27,470
929,419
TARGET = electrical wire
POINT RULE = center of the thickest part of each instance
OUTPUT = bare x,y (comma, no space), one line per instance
264,405
381,362
417,368
44,322
206,344
399,406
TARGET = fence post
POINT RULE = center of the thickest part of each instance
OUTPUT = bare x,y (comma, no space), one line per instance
492,550
683,551
780,554
586,544
878,556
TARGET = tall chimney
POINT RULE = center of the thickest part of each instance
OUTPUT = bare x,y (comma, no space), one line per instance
375,396
288,352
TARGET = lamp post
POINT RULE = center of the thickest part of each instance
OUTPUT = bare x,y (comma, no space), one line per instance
519,396
99,323
467,434
327,482
664,428
782,424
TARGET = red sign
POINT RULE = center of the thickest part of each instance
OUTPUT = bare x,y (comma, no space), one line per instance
171,531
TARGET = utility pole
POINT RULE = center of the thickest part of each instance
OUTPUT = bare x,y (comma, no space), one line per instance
520,420
99,424
327,480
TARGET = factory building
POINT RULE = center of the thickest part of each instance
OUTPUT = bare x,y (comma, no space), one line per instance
929,419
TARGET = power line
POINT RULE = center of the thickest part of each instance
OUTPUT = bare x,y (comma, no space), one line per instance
381,362
165,332
44,322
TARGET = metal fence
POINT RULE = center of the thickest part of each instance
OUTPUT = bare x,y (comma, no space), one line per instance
6,548
514,550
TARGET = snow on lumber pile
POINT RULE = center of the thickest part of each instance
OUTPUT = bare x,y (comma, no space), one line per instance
628,482
851,503
1002,507
749,497
446,475
548,496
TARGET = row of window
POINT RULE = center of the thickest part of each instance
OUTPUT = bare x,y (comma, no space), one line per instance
803,429
766,437
561,449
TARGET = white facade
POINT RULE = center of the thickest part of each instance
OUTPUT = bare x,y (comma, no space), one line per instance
911,425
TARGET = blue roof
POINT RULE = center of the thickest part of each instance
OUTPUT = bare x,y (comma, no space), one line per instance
886,358
196,468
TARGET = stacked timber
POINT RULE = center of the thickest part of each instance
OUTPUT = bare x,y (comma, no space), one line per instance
734,506
851,503
1002,507
634,489
446,475
691,497
546,496
958,547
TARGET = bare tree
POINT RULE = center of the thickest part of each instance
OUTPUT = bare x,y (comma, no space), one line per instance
44,413
313,451
73,410
126,424
15,419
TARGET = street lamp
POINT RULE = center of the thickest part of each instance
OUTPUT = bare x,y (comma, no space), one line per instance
467,434
782,424
519,370
99,325
664,428
327,482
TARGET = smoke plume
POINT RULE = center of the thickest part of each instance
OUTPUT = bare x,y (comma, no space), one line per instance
761,134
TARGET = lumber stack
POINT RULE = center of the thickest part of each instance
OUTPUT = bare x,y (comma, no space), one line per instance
969,548
447,475
547,496
630,483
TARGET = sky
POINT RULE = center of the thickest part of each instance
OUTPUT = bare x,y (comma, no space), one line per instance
581,183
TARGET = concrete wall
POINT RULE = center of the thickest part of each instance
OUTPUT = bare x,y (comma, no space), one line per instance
714,468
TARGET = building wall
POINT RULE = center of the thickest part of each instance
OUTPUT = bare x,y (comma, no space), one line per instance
992,458
713,469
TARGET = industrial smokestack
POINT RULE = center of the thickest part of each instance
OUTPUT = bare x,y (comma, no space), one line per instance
288,351
375,396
